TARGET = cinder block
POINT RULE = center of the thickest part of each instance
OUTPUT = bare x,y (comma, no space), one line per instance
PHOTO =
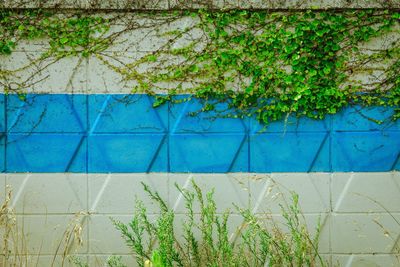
104,238
144,33
291,124
126,114
66,75
46,113
45,260
122,153
363,260
45,234
365,151
208,153
3,190
364,119
182,119
268,192
364,233
311,221
229,189
279,152
40,193
2,152
117,193
104,73
2,113
46,153
366,192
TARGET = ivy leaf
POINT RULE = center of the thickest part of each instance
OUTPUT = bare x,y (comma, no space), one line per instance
21,96
152,58
64,40
320,33
313,73
327,70
195,69
335,47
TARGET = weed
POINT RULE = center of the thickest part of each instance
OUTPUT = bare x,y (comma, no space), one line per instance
206,238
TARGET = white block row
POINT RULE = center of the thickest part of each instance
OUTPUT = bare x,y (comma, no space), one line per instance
61,193
359,212
134,36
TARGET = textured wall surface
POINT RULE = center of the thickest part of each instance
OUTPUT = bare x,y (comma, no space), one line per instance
80,144
124,133
356,231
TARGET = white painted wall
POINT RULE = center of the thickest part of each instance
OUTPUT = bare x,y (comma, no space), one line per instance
354,225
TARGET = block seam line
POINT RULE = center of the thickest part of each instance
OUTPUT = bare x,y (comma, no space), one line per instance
69,99
396,161
22,159
180,196
74,155
178,118
343,192
318,152
20,190
157,114
100,194
349,261
327,208
100,113
263,194
157,152
235,157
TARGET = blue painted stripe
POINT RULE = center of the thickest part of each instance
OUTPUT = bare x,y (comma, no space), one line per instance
124,133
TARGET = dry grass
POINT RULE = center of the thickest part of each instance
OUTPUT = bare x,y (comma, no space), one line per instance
15,246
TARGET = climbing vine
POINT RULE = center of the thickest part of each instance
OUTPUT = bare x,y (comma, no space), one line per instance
65,35
274,64
238,62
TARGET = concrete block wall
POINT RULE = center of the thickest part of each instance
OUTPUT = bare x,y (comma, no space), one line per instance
80,144
124,133
356,229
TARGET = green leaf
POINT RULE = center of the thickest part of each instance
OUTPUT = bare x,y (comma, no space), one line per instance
152,58
313,73
64,40
327,70
195,69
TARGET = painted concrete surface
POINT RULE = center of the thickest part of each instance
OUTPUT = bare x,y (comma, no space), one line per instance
106,72
81,144
124,133
358,221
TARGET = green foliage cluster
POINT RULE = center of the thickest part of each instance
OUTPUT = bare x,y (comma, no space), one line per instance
79,34
205,238
274,64
246,62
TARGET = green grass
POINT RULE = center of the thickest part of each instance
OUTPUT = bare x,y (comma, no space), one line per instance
206,237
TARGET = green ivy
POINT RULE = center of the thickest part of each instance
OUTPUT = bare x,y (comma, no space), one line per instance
255,63
281,63
66,35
